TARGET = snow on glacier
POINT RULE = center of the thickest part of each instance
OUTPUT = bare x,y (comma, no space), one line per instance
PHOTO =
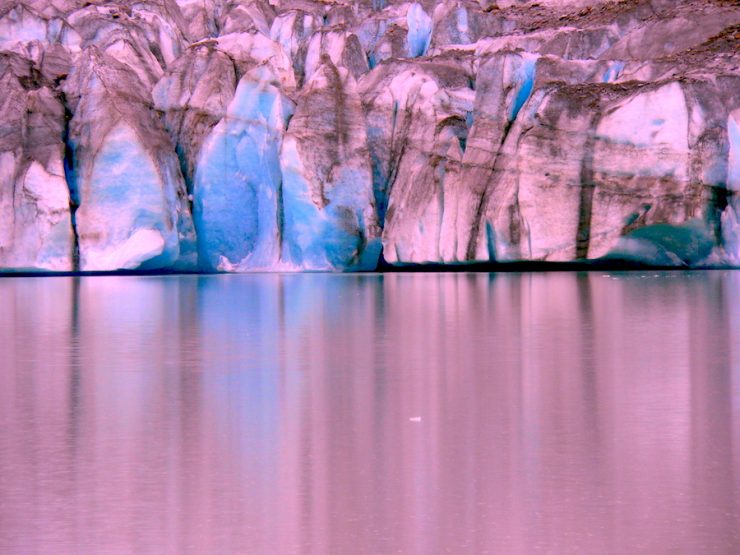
237,181
126,218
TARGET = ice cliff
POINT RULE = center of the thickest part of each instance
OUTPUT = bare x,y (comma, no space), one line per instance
329,135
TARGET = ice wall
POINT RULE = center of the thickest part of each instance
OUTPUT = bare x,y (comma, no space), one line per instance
276,135
237,207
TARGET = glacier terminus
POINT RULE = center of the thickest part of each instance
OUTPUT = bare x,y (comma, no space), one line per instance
253,135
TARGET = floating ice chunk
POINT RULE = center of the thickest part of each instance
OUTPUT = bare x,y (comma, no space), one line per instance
420,30
237,180
666,245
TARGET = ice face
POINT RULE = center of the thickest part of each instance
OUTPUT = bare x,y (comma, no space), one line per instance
463,28
329,220
448,150
126,218
37,231
640,156
35,226
731,215
237,181
420,30
51,206
247,50
342,48
333,236
291,29
654,121
733,169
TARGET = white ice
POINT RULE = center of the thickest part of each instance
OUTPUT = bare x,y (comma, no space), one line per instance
127,216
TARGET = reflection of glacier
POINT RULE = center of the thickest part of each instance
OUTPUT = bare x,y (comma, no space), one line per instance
270,414
240,342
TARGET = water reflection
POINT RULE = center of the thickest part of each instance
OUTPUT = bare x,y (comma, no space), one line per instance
593,413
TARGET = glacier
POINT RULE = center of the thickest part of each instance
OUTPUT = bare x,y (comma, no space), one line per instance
238,179
36,231
224,135
420,30
329,214
731,213
121,206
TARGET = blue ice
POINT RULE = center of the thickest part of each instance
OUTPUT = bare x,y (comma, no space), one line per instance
328,237
524,76
237,181
126,190
420,30
613,71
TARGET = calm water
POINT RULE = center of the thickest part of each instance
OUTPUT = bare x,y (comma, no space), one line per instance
350,414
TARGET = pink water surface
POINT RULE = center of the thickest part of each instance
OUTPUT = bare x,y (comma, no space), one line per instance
350,414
